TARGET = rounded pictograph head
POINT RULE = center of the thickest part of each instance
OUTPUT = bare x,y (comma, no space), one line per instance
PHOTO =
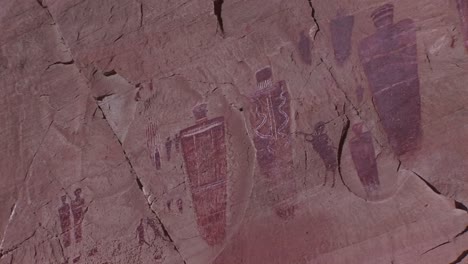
319,128
200,111
77,192
358,128
64,198
383,16
264,74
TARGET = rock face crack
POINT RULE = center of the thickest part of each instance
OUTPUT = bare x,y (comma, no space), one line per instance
460,258
61,63
462,232
332,75
102,97
312,14
132,170
109,73
41,3
344,134
141,188
434,189
218,9
429,250
17,246
461,206
457,204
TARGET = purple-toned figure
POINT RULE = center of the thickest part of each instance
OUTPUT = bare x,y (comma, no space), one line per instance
272,139
462,6
341,29
78,214
204,152
362,152
168,145
304,48
389,58
65,221
321,143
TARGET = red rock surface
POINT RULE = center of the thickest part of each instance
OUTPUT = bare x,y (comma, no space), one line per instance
232,132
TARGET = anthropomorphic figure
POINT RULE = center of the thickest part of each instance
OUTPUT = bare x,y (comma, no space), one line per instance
389,59
204,150
65,221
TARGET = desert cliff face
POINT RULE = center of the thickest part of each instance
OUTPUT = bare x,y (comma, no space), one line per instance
233,132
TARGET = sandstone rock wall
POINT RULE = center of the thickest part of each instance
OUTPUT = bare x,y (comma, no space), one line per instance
233,131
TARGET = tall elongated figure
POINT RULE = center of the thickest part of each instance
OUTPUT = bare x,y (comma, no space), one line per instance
389,58
363,155
462,6
271,120
204,151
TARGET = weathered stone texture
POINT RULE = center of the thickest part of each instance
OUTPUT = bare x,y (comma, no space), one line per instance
229,132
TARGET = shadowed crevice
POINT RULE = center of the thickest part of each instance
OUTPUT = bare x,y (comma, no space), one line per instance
460,258
344,134
312,14
434,189
461,206
218,9
60,63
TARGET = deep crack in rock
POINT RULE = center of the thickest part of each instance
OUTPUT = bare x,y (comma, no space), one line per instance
312,14
141,188
218,9
434,189
460,258
344,134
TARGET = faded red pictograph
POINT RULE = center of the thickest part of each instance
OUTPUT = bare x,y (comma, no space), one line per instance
66,211
144,224
462,6
152,145
204,151
363,154
389,59
322,144
151,239
93,252
65,221
179,205
77,208
341,29
304,48
168,145
270,120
